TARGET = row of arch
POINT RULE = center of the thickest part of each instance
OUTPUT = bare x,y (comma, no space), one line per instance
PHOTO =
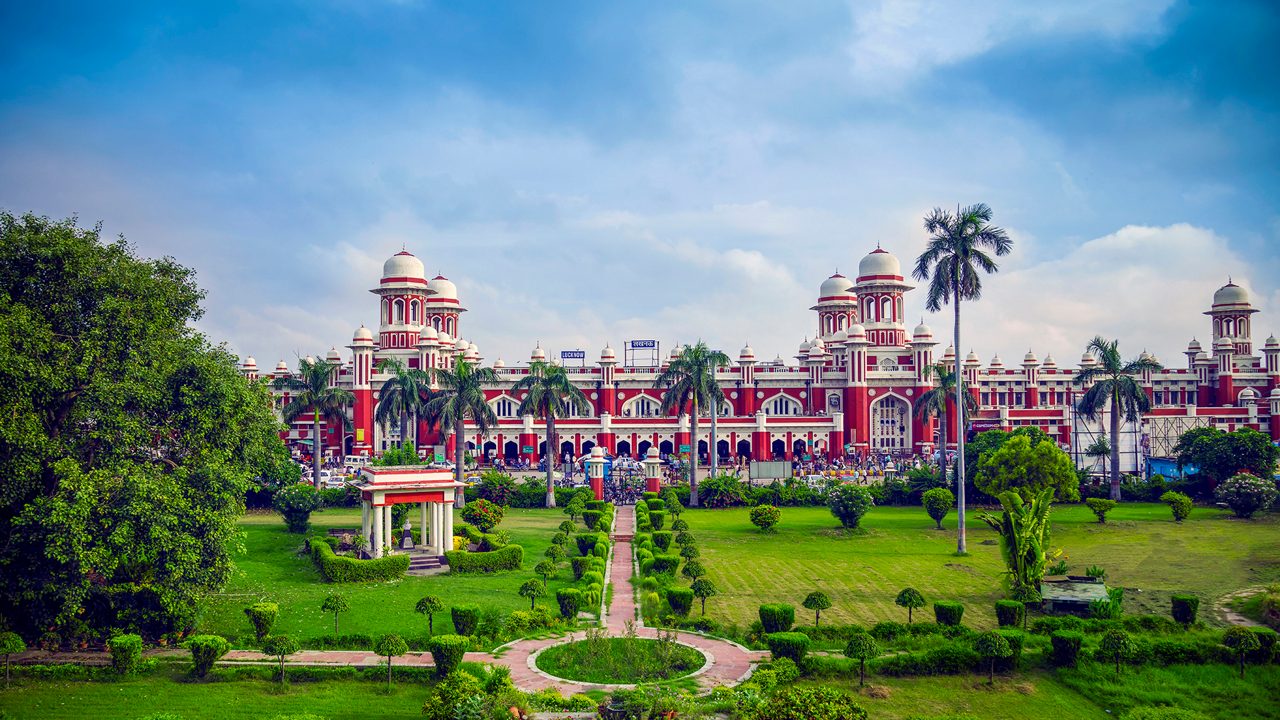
885,308
398,312
507,407
510,449
1231,327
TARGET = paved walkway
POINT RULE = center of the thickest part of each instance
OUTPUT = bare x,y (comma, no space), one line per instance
727,663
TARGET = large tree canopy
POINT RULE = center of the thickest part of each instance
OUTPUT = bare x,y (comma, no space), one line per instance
1027,469
1217,454
127,442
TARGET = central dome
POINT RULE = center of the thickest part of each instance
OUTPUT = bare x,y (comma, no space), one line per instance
403,266
836,286
879,263
1231,294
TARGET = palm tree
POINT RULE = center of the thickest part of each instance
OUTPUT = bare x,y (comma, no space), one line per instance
1099,450
551,394
957,250
934,404
1114,387
400,397
690,380
460,397
310,392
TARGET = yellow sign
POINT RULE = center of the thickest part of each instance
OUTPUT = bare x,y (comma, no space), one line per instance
359,435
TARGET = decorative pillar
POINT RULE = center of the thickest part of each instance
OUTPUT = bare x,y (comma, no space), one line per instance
652,470
683,438
760,444
362,389
388,534
437,529
446,537
605,438
1274,400
595,472
376,549
425,530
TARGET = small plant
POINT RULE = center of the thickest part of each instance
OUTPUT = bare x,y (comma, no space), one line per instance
574,509
11,644
482,514
777,617
335,604
568,527
848,503
1243,641
569,600
1010,613
1100,507
909,598
447,652
765,517
680,525
280,646
126,653
862,647
555,553
1184,609
1096,572
205,651
991,645
947,612
1059,567
390,646
817,601
546,569
680,600
1246,494
1066,648
559,539
466,619
429,605
684,537
693,570
1179,504
295,502
799,702
702,589
1116,645
533,588
689,552
262,616
938,502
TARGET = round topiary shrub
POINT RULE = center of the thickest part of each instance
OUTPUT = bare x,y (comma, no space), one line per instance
295,503
126,653
681,600
684,537
1179,504
947,612
447,651
569,599
791,645
680,525
1241,640
1066,648
1116,645
811,703
1246,494
466,618
1100,507
910,598
591,518
205,651
938,502
482,514
765,517
662,539
1009,613
849,503
777,617
262,616
655,504
1184,609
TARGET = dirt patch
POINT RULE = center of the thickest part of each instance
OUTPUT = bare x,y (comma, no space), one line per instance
961,568
1025,688
989,542
877,692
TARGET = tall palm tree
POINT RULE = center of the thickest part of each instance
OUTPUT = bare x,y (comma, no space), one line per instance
400,397
551,394
934,404
690,380
460,397
311,392
1114,387
957,251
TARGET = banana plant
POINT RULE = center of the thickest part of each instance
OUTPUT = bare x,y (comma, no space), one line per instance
1024,539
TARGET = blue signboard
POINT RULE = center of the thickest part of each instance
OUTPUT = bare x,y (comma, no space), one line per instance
637,344
573,354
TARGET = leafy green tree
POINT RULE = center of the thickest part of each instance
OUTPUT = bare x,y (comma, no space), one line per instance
910,598
460,398
703,589
295,504
1218,454
311,393
690,382
765,517
938,502
11,644
933,404
1243,641
533,588
550,394
400,397
1100,508
555,553
1112,385
990,441
848,503
862,647
129,441
335,604
817,601
280,646
546,569
1246,494
693,570
389,646
1027,469
429,605
956,254
1024,538
991,645
574,508
1117,645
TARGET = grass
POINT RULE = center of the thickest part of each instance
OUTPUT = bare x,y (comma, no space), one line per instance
272,569
1210,554
615,660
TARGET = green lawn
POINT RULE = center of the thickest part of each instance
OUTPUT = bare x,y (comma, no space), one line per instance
272,569
1210,554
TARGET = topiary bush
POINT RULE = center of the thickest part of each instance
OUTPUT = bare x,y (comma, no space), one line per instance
655,504
262,616
1100,507
684,537
817,601
466,618
205,651
483,514
765,517
666,564
591,518
1066,648
1009,613
662,539
569,599
342,569
447,651
657,518
681,600
1116,645
510,557
295,502
791,645
126,653
777,617
947,612
848,503
1179,504
938,502
811,703
991,645
1246,494
1184,609
909,598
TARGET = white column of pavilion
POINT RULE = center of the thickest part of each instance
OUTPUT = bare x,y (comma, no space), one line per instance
433,491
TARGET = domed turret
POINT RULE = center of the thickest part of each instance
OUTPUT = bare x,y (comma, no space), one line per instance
949,354
972,359
1030,358
443,291
445,340
996,363
879,263
608,354
471,354
250,363
1049,362
538,354
282,367
922,332
816,352
461,345
840,337
403,267
1230,294
804,347
363,334
333,355
857,332
1247,395
746,354
1087,359
1193,346
836,287
499,364
429,333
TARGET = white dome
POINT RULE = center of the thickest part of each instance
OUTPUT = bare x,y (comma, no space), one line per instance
403,266
443,290
1030,358
839,336
445,339
1202,355
950,352
836,287
972,358
249,362
461,345
471,353
608,353
538,354
816,351
310,359
1230,294
747,353
429,332
879,262
1272,342
1049,362
1248,394
425,342
804,348
995,361
1222,343
363,334
1275,392
1193,345
333,354
857,331
282,366
473,346
922,331
498,364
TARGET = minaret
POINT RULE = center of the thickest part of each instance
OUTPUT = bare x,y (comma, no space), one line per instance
1031,380
879,289
1230,313
747,392
362,388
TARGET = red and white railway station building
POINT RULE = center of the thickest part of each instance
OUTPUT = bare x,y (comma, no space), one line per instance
853,388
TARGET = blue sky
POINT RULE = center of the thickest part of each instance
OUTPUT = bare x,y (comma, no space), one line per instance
593,172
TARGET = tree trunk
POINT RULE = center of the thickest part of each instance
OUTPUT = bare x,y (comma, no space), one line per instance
704,614
550,456
404,428
459,442
281,669
817,618
961,547
991,675
335,624
693,455
388,672
1115,447
909,614
317,447
862,672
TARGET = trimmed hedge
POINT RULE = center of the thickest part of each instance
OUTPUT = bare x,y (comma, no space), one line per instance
580,566
951,659
205,651
791,645
591,518
262,616
657,518
1016,641
1009,613
662,539
466,618
666,564
510,557
655,504
596,504
593,577
681,600
777,617
569,599
947,612
1066,648
126,653
341,569
447,651
1184,608
587,541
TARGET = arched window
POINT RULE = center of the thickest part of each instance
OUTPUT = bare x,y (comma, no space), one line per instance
397,311
1228,327
449,328
868,307
886,309
435,322
413,311
840,323
782,405
386,312
898,302
640,406
505,407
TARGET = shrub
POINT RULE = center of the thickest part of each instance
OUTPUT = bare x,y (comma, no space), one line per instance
684,537
429,605
861,647
680,525
466,618
533,588
690,551
1178,503
777,617
569,600
991,645
681,600
390,646
1066,648
595,504
1116,645
909,598
335,604
205,651
693,570
1184,609
497,487
655,504
567,527
1267,639
1240,639
11,643
262,616
791,645
591,518
938,502
580,566
947,612
482,514
586,541
342,569
126,653
666,564
1246,494
811,703
662,539
280,646
510,557
559,539
657,518
295,502
447,652
546,569
1010,613
888,630
1100,507
702,589
554,553
817,601
765,517
849,503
